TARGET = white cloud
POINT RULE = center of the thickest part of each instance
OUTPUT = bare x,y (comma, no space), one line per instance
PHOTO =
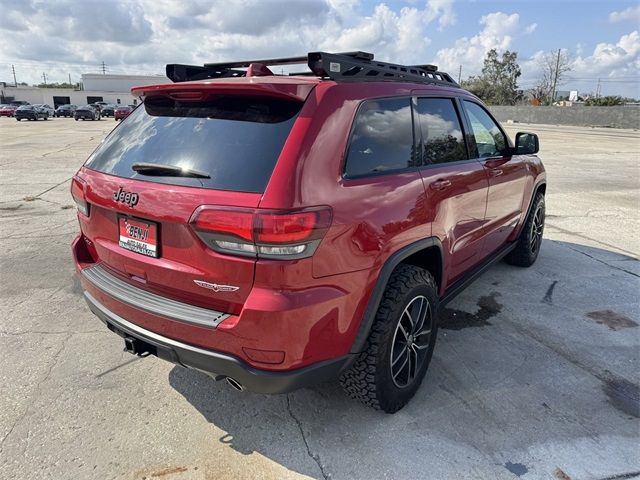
631,14
441,10
531,28
498,31
140,37
397,36
615,64
611,59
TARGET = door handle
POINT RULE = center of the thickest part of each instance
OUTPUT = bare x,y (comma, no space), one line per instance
440,184
495,172
495,162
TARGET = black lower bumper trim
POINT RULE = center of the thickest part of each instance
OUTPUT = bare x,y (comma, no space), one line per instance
219,364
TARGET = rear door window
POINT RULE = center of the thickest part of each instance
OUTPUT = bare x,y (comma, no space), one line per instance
381,139
441,138
236,140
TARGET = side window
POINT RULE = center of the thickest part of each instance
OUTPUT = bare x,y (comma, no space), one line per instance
382,138
442,139
489,138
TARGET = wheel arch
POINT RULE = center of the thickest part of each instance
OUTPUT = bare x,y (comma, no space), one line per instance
540,187
425,253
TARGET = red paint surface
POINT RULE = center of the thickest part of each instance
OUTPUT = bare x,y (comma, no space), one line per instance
310,309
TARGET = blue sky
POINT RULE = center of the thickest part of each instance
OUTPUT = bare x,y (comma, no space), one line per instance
70,37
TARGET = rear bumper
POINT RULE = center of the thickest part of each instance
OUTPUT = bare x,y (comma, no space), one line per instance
219,364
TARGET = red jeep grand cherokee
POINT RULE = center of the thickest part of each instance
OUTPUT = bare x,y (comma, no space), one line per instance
278,231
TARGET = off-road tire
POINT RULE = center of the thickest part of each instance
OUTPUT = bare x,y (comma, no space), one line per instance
524,255
369,379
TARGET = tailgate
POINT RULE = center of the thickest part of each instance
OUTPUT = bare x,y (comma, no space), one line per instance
167,158
184,269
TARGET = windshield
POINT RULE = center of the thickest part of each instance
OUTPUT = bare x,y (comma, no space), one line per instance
236,140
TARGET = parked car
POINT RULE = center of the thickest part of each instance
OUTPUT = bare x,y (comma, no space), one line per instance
86,113
65,110
98,105
122,112
30,112
282,231
8,110
108,110
43,106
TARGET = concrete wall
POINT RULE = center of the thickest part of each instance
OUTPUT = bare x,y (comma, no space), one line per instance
579,115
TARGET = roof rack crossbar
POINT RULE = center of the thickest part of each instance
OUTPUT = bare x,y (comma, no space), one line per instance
283,61
340,67
187,73
335,66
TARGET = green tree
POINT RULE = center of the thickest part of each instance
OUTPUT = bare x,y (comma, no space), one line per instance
498,82
608,101
59,85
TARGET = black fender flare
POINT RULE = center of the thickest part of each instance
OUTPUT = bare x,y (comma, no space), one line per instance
535,190
383,278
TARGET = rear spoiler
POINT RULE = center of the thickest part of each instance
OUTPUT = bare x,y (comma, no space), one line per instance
296,91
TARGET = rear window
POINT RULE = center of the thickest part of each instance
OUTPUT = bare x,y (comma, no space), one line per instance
236,140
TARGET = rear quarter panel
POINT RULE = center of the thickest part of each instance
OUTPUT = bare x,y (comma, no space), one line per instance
373,216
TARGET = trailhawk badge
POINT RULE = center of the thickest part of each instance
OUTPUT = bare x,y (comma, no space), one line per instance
215,287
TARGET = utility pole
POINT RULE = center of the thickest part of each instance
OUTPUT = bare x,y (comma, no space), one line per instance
104,68
459,73
44,77
70,84
598,89
13,69
555,78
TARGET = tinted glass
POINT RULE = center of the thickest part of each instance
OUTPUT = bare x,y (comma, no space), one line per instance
234,139
489,139
442,139
382,138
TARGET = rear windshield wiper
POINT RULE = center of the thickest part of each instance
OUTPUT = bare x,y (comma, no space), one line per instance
163,170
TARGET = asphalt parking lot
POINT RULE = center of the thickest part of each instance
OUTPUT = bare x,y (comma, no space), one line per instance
536,373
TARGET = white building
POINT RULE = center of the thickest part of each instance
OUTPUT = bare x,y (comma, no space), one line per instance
95,88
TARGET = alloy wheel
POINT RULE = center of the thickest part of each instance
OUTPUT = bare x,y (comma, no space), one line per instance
535,239
411,341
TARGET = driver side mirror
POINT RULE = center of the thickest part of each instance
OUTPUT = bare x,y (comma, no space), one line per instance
526,143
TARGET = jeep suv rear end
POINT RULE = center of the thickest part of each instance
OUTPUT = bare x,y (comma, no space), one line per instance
223,229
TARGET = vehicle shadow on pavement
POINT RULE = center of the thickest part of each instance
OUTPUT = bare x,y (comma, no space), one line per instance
530,364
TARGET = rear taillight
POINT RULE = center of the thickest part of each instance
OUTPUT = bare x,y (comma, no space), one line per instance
262,233
77,192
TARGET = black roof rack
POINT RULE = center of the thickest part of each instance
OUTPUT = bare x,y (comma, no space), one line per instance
345,66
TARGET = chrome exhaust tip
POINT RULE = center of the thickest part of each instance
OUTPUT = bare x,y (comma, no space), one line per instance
235,384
